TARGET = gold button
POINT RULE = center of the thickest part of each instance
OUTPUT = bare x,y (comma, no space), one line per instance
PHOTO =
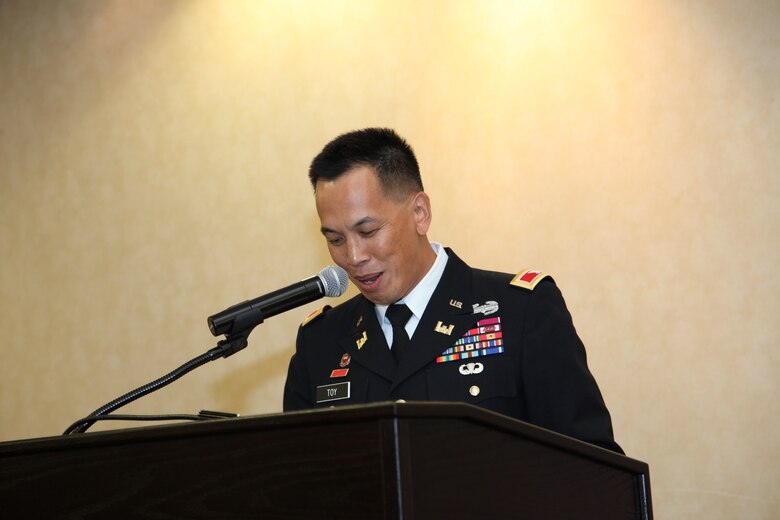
474,390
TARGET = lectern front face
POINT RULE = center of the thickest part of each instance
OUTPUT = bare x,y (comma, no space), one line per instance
384,461
460,469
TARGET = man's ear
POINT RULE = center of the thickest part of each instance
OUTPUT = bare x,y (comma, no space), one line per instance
421,206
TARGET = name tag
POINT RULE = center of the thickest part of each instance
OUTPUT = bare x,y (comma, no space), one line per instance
333,392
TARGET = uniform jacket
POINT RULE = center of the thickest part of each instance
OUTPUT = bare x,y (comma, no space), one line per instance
529,364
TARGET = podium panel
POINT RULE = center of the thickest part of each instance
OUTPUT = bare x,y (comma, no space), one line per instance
380,461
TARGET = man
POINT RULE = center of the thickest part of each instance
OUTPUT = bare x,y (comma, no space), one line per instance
425,325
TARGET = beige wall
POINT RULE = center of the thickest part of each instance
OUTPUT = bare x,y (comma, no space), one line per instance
152,171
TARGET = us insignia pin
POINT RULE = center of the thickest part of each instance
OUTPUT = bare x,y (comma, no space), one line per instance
456,304
443,329
361,340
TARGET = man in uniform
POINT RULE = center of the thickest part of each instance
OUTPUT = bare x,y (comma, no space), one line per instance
425,325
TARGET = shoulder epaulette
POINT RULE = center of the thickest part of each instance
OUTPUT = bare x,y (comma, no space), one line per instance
316,314
528,279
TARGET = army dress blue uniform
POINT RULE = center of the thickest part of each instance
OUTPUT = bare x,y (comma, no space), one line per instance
502,342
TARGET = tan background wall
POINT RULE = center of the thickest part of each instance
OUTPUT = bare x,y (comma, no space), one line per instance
152,172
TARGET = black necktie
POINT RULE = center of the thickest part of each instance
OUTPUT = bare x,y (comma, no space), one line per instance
398,315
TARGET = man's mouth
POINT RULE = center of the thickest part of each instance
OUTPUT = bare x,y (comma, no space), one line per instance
368,281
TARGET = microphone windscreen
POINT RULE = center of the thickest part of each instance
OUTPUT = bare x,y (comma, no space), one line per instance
334,280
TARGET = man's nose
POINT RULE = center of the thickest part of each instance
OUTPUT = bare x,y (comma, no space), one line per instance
356,252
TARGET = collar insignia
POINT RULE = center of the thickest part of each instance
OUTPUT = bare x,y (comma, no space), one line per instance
361,340
444,329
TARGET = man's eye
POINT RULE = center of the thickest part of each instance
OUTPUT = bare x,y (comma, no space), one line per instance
335,241
369,233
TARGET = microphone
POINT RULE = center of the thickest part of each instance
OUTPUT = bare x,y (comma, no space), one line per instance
331,281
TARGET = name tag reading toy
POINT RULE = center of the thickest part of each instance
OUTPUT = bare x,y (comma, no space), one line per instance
333,392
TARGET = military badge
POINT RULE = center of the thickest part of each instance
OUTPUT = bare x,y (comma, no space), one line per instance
443,329
316,314
485,339
486,308
361,340
468,369
528,279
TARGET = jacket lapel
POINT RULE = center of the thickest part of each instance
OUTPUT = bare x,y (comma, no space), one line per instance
443,321
366,343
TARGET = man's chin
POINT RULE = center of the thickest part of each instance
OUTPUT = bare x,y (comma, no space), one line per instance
376,297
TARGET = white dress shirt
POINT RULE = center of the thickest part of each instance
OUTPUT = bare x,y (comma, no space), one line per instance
418,298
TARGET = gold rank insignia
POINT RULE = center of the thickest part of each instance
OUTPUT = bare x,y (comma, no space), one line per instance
528,279
361,340
443,329
314,315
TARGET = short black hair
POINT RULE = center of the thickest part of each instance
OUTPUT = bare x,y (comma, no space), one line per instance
381,148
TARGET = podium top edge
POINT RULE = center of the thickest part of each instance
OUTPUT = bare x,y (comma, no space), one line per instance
388,410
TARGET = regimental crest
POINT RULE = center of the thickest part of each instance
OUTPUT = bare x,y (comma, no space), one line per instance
528,279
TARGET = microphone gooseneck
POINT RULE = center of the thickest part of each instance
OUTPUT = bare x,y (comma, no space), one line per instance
236,323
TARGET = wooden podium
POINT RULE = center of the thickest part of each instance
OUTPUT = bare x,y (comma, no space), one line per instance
381,461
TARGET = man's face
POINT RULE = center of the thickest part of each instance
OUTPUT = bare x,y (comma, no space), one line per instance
379,241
